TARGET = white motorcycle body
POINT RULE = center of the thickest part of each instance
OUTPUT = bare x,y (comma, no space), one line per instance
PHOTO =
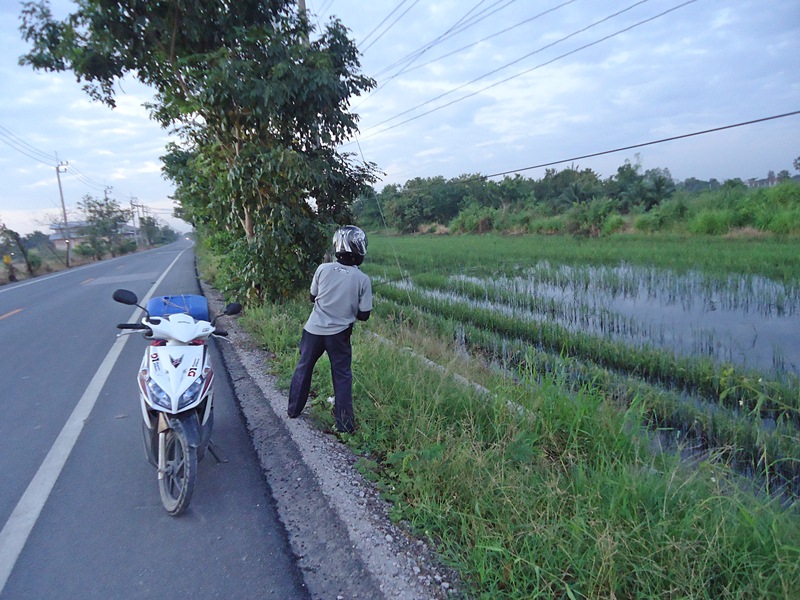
176,396
175,378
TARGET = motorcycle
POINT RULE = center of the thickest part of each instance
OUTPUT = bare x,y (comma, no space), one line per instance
175,389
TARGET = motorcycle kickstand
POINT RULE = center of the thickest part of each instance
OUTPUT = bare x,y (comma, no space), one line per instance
213,449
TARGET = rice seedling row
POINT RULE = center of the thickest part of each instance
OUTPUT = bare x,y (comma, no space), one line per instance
766,450
725,384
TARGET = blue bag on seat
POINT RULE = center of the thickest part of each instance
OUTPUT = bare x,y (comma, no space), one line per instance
192,304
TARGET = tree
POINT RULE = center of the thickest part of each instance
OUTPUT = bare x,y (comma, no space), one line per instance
658,186
105,220
168,234
796,164
694,185
515,191
260,109
150,230
627,186
366,210
155,232
12,239
561,189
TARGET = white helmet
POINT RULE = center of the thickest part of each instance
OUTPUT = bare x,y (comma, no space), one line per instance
350,242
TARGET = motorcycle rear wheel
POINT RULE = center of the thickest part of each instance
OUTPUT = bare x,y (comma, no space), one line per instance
177,484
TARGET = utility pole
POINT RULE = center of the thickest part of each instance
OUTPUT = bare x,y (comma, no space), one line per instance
59,166
133,216
301,5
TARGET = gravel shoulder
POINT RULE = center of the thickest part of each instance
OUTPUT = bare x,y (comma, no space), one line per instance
336,522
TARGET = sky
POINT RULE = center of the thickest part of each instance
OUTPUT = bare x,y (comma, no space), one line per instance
463,87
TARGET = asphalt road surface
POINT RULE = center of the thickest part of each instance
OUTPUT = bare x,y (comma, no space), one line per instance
80,511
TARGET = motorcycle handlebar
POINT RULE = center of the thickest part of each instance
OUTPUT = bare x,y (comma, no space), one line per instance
132,326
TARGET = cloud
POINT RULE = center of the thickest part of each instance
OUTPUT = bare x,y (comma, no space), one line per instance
704,65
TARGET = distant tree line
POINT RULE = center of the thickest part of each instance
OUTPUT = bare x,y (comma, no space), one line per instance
105,231
574,201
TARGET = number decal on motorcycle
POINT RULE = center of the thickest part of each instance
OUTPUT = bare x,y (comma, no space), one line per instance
192,372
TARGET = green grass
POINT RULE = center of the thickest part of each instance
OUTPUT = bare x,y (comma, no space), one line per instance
562,500
565,498
775,258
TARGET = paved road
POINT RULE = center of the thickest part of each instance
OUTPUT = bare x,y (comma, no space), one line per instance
101,531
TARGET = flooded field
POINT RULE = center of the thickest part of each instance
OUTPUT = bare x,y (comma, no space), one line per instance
708,358
749,321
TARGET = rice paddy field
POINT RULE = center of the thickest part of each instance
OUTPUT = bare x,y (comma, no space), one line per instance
613,418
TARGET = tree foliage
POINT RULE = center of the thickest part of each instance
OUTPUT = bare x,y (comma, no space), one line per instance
105,221
258,105
578,202
154,232
11,240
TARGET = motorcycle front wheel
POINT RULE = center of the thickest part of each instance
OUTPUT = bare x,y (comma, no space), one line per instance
177,484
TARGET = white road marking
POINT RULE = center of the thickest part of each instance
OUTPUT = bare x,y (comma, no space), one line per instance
18,528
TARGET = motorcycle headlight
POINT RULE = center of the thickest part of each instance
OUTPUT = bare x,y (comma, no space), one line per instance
157,395
190,395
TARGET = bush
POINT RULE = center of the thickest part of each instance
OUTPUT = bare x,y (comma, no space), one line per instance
613,224
84,250
587,219
34,260
547,225
125,247
474,219
785,222
258,269
648,222
712,222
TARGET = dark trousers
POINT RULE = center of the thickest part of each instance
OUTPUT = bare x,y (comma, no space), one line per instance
340,354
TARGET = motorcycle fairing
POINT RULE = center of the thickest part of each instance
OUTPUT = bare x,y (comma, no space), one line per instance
174,369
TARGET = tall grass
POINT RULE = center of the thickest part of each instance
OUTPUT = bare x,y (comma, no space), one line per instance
562,499
566,494
770,453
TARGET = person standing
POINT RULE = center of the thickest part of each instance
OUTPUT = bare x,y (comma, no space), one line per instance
341,294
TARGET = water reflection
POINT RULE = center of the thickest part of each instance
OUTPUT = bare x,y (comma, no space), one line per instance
750,321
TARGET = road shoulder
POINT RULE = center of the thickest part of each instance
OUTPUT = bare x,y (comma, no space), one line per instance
337,525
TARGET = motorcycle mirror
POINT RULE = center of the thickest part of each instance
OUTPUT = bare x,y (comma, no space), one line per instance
234,308
125,297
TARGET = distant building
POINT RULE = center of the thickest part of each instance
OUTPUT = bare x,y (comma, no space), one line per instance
73,231
770,181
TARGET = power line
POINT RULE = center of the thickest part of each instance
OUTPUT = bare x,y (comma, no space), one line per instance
408,68
507,79
16,142
487,38
643,144
386,18
521,58
389,27
477,18
85,181
12,140
411,56
81,176
405,62
325,6
462,24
